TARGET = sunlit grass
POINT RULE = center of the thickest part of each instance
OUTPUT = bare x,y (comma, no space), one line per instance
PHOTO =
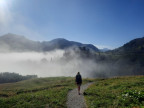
116,92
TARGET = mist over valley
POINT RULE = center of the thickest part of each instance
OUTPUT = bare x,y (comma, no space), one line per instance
61,57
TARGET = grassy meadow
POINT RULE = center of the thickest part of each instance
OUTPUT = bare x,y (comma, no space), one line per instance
121,92
37,93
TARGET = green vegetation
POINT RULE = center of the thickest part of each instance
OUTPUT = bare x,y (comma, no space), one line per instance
123,92
52,92
7,77
37,93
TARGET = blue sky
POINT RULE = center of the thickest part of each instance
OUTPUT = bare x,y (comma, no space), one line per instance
104,23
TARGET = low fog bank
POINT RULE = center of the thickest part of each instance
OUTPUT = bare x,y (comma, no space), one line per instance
45,64
55,63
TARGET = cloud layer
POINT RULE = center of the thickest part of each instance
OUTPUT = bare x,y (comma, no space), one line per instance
48,64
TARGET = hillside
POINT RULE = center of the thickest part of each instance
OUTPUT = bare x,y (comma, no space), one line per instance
124,61
131,52
134,46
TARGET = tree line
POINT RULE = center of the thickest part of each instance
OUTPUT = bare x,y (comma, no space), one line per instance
7,77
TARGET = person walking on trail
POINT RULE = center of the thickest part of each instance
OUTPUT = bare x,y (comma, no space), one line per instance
78,81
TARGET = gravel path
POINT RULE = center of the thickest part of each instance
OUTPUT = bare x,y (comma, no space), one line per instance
75,100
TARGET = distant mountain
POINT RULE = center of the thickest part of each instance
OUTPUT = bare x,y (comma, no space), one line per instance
61,43
104,49
13,42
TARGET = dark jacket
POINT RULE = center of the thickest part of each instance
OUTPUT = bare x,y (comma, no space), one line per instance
78,79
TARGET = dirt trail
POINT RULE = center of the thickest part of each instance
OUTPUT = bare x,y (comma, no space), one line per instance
75,100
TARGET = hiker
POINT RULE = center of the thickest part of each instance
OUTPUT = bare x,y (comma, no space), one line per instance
78,81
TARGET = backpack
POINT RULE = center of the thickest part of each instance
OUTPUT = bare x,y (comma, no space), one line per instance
78,79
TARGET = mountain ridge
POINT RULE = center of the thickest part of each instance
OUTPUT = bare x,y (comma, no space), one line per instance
133,46
13,42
